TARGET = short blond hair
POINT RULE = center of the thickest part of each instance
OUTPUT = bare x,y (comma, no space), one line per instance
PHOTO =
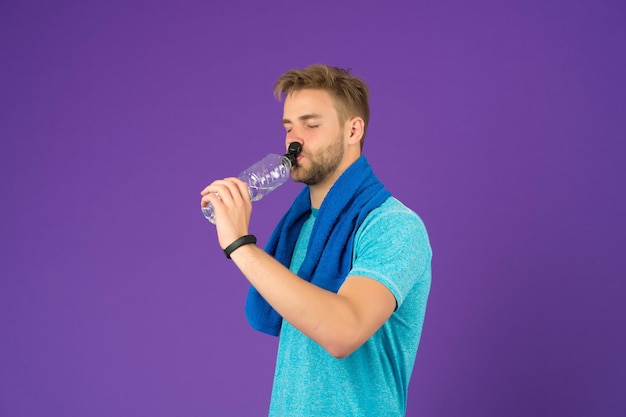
350,92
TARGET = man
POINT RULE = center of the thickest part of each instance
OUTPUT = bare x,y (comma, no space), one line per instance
346,275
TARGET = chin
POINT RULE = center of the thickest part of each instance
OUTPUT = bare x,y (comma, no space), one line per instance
299,175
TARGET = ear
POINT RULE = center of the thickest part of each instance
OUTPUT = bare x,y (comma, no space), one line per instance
355,127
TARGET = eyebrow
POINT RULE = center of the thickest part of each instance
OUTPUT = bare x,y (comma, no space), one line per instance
304,117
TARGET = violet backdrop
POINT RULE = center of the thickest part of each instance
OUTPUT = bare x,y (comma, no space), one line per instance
501,123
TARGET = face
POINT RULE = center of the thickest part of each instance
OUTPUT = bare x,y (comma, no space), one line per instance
310,118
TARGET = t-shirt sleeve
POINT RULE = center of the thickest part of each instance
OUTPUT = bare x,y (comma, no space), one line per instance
392,247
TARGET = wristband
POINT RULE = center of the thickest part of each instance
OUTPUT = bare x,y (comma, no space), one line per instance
243,240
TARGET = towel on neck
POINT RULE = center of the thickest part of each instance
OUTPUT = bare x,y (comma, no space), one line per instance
329,254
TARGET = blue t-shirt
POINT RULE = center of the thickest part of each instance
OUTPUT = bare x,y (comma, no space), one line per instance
392,247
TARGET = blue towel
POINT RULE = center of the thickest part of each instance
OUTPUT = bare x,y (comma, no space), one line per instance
329,255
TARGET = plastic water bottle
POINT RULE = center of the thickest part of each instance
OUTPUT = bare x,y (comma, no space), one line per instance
264,176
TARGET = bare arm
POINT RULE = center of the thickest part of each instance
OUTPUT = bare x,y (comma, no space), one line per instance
340,322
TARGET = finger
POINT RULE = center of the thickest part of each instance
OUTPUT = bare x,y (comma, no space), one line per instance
206,190
243,189
209,188
238,189
234,190
214,193
212,198
229,192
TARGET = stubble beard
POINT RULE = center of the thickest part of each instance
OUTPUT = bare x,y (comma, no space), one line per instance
324,163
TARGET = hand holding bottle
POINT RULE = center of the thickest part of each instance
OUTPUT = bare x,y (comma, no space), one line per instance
263,177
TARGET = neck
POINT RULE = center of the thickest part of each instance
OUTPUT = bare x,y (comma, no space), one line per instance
318,191
318,194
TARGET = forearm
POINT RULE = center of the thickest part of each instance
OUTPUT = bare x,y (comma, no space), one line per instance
327,318
340,322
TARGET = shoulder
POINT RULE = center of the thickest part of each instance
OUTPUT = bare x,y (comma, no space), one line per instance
392,217
392,247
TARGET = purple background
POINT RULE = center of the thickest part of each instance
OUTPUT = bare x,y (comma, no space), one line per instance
501,123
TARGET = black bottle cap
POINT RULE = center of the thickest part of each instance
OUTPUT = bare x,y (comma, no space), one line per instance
293,150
